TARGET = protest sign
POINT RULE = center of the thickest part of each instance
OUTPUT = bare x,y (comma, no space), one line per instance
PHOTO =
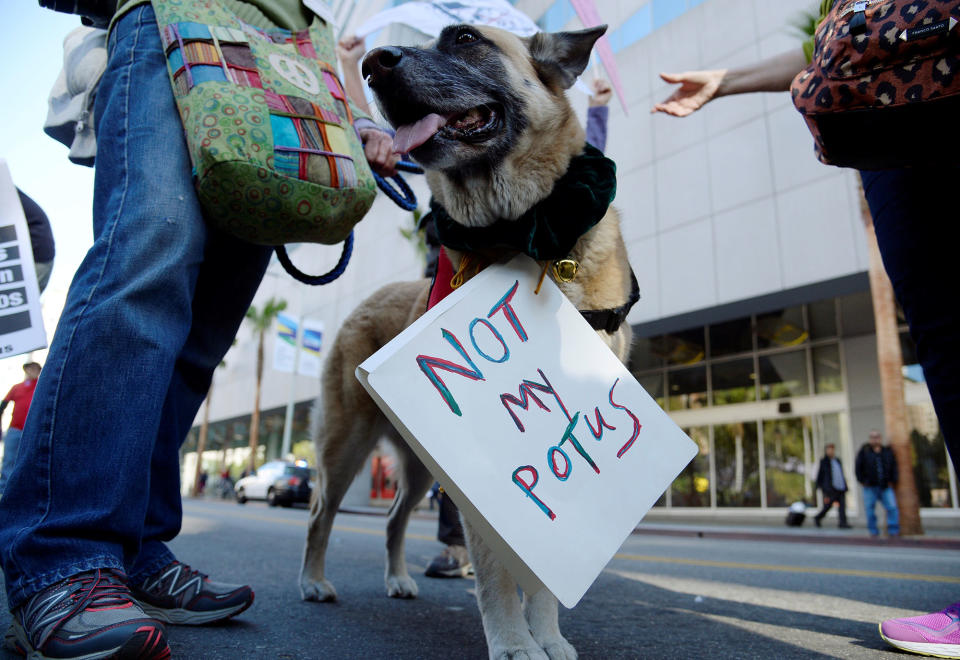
545,441
21,320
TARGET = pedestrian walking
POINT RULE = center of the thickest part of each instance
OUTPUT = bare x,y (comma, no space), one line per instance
21,396
876,469
833,485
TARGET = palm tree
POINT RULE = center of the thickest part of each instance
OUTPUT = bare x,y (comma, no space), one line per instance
261,320
890,363
204,431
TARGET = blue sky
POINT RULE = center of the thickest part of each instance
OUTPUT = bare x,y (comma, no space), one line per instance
32,53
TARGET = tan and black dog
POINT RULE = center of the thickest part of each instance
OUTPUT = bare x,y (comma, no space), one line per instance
486,114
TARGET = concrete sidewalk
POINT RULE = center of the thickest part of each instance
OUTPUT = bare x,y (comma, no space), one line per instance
941,532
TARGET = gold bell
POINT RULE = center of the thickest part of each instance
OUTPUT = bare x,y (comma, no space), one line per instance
565,269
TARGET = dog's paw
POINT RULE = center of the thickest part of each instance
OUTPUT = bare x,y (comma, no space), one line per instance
530,652
401,586
558,648
317,590
516,645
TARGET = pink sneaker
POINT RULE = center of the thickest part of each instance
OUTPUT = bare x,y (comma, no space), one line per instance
936,634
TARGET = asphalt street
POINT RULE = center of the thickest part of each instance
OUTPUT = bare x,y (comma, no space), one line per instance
662,596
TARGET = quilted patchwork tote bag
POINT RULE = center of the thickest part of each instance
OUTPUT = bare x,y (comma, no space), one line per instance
270,134
883,88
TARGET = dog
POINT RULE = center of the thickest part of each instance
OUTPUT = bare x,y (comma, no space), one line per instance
486,114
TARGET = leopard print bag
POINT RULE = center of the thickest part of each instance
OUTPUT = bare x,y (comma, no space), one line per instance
883,88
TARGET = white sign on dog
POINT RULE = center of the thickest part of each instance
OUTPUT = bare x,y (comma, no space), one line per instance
545,441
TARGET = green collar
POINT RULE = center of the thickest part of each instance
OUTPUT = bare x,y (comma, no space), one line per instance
551,228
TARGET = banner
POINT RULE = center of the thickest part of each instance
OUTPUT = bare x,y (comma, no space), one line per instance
21,321
310,348
431,17
285,346
590,17
545,441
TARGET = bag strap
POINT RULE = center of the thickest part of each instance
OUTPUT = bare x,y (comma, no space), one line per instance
404,198
316,280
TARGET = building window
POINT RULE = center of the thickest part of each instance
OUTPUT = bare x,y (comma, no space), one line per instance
781,329
731,337
827,375
822,319
743,360
692,486
737,464
687,388
786,452
734,381
783,375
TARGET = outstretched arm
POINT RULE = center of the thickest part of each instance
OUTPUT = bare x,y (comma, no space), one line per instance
350,50
598,113
697,88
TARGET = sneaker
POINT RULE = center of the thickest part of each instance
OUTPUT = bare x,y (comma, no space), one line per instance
90,615
180,594
452,562
936,634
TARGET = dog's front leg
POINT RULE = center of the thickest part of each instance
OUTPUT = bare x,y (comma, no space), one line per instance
540,610
504,625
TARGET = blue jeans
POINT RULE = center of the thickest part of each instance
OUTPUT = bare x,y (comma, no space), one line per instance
11,447
151,311
874,494
914,216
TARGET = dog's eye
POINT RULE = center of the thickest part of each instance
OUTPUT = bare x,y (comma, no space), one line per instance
467,37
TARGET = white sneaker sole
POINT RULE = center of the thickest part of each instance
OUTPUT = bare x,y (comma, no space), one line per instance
936,650
190,617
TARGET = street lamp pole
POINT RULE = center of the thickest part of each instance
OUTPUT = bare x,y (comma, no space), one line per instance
288,416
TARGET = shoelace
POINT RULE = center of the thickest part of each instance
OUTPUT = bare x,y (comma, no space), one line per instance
103,588
953,611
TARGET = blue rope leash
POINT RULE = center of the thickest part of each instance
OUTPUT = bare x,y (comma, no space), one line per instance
403,197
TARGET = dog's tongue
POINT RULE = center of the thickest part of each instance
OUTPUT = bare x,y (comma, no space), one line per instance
411,136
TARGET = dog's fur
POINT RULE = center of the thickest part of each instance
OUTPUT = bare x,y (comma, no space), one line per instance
529,135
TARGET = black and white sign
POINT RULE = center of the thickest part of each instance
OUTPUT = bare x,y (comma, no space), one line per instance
21,323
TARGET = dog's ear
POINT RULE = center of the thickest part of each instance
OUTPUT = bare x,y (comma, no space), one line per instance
560,57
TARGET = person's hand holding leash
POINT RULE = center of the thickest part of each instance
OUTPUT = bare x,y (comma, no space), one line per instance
378,148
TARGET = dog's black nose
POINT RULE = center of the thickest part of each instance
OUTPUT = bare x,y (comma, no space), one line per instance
380,61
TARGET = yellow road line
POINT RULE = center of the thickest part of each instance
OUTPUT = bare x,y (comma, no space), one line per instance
708,563
884,575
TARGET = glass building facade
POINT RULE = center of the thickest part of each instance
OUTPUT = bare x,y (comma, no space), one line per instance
717,381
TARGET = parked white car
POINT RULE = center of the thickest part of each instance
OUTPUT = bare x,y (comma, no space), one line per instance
274,481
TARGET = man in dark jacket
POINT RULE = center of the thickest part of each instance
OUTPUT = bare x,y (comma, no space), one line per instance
876,469
831,481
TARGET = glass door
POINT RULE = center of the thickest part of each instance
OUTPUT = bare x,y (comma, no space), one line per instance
787,452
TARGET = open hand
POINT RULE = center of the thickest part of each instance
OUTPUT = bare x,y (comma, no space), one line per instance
697,88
